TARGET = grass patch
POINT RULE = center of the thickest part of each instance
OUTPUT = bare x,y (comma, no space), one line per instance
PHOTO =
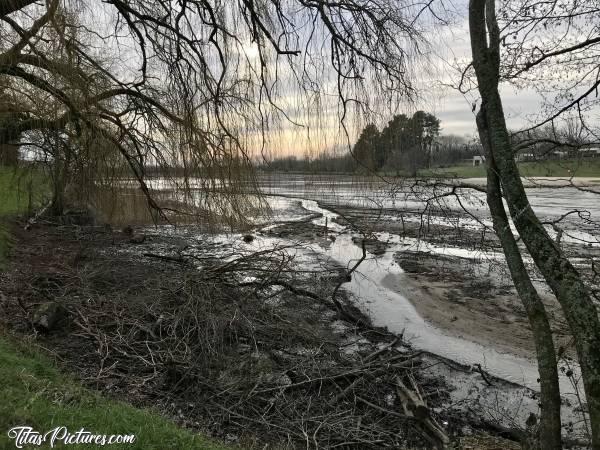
35,394
454,172
589,167
563,168
20,190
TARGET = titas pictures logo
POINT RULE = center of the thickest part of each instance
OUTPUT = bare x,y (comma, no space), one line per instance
25,437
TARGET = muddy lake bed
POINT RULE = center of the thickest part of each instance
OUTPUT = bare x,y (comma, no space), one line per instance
423,268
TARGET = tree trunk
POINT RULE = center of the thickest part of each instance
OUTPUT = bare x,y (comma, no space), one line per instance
550,424
59,185
10,6
58,199
9,154
61,176
559,273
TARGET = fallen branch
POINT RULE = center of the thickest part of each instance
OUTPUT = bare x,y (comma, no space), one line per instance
177,259
479,369
40,213
414,406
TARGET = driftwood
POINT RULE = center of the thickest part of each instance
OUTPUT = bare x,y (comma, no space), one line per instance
477,368
383,349
414,406
35,218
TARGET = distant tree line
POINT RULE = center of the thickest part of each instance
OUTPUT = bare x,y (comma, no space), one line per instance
569,141
324,163
406,143
404,146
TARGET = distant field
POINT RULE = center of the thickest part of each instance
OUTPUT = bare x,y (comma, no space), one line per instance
564,168
589,168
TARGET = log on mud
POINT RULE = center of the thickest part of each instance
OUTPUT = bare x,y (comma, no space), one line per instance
414,406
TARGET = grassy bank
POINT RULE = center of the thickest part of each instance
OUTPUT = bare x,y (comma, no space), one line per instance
35,393
20,189
564,168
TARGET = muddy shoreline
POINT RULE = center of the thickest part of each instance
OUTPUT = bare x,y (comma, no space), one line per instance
480,286
59,261
467,296
237,362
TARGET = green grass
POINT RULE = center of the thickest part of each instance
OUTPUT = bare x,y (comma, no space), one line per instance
564,168
34,393
20,190
589,167
454,171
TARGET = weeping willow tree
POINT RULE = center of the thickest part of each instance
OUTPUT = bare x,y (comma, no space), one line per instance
189,93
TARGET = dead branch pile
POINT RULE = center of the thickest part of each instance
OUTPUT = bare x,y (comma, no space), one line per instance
240,346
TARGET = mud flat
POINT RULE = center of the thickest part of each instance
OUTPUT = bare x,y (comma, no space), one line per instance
456,278
456,303
263,338
474,308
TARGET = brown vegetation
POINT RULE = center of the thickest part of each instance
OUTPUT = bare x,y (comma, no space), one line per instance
252,362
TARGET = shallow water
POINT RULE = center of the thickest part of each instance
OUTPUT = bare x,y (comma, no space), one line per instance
372,290
387,308
372,284
548,203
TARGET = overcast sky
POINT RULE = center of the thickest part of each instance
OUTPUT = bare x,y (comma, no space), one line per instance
451,48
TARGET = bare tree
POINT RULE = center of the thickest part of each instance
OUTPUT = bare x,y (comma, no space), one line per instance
560,274
550,431
196,84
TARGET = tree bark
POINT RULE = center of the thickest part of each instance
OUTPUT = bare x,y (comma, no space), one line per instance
9,154
550,424
10,6
559,273
62,162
